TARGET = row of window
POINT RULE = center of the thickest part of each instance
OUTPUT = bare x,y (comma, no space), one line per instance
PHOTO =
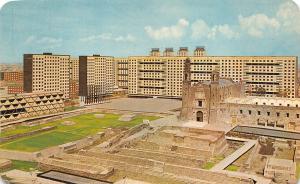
268,113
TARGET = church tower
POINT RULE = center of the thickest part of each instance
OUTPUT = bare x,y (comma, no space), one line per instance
186,91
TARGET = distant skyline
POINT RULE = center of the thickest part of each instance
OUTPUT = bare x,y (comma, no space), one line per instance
122,28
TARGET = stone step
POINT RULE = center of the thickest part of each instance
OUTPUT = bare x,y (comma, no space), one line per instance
198,153
167,157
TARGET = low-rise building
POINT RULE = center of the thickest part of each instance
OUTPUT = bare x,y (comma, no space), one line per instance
13,107
15,88
12,76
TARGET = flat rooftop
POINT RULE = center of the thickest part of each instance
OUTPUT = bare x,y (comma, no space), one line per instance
268,101
266,132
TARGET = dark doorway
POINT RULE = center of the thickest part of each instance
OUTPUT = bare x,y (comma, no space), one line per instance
200,116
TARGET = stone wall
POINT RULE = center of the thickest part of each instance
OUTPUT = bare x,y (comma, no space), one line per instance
95,172
263,115
167,157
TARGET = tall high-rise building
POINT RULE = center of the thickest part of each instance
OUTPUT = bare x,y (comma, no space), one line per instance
74,65
97,78
74,78
46,73
122,72
157,75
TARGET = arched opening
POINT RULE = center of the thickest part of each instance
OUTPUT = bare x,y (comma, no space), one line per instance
199,116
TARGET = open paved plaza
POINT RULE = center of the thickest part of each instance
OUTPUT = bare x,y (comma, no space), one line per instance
157,105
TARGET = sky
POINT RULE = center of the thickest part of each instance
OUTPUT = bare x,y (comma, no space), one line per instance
123,28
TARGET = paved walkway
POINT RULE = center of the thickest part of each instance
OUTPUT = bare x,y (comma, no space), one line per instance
235,155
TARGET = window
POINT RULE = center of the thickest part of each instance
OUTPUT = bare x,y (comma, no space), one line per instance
298,115
268,113
200,103
287,115
258,112
241,111
249,112
278,114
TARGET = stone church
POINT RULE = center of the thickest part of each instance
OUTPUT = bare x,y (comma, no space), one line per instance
221,100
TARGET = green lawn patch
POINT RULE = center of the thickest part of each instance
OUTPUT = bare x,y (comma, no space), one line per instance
72,108
208,165
41,141
213,161
232,168
22,165
85,125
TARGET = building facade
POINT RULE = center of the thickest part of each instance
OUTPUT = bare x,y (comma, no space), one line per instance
12,76
15,88
74,72
13,107
162,75
74,78
47,73
202,101
74,89
122,72
223,101
97,78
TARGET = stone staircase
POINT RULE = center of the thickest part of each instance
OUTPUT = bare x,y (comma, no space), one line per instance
141,165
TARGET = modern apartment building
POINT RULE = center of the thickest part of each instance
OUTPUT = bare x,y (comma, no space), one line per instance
74,78
122,72
97,78
162,75
47,73
74,64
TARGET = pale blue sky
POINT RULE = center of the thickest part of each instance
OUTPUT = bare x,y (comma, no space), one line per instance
133,27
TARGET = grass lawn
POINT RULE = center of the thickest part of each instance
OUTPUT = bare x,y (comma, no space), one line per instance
85,125
71,108
232,168
210,164
22,165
